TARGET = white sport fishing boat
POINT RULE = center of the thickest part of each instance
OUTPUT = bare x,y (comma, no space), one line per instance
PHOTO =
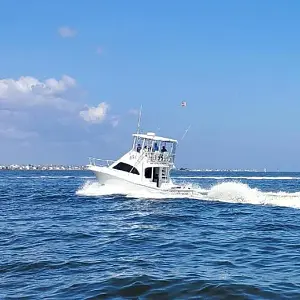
146,166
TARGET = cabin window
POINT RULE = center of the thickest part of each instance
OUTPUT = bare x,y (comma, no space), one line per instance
126,168
148,173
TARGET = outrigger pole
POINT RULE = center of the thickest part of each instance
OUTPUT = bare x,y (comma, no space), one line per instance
186,131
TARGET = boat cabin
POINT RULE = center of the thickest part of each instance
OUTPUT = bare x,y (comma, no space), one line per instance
157,154
148,162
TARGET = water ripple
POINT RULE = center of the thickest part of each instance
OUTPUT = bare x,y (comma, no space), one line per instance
55,244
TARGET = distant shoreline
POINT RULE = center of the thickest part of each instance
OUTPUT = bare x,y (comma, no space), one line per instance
31,167
42,168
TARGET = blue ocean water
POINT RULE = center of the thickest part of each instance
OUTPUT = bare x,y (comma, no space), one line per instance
62,236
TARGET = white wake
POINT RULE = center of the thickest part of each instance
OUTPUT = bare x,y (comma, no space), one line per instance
241,177
233,192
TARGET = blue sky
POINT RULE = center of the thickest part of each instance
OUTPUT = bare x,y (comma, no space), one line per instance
236,63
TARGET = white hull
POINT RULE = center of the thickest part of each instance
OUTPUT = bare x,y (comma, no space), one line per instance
103,177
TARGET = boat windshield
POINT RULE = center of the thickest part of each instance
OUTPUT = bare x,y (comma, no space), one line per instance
152,145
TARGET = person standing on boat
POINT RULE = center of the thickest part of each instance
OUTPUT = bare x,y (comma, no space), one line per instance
163,149
138,148
155,148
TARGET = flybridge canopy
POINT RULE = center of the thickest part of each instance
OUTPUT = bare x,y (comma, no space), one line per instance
152,136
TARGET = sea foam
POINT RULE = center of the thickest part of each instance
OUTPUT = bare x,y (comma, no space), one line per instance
232,192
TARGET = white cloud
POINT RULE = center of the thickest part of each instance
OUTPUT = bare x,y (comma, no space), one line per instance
29,91
67,32
31,107
37,112
60,85
95,114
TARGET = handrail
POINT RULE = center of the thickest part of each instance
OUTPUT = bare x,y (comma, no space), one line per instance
98,161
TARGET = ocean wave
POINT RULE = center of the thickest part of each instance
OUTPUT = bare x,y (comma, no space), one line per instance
170,288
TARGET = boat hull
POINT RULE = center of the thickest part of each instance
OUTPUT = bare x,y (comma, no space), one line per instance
105,178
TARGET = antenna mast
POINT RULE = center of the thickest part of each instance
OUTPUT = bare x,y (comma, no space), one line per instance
139,121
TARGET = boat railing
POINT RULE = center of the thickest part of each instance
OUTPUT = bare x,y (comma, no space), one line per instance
156,157
100,162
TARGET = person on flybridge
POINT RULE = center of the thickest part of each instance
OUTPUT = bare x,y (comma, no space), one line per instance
163,149
155,148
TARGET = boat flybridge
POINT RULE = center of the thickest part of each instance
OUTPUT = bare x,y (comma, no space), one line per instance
146,165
